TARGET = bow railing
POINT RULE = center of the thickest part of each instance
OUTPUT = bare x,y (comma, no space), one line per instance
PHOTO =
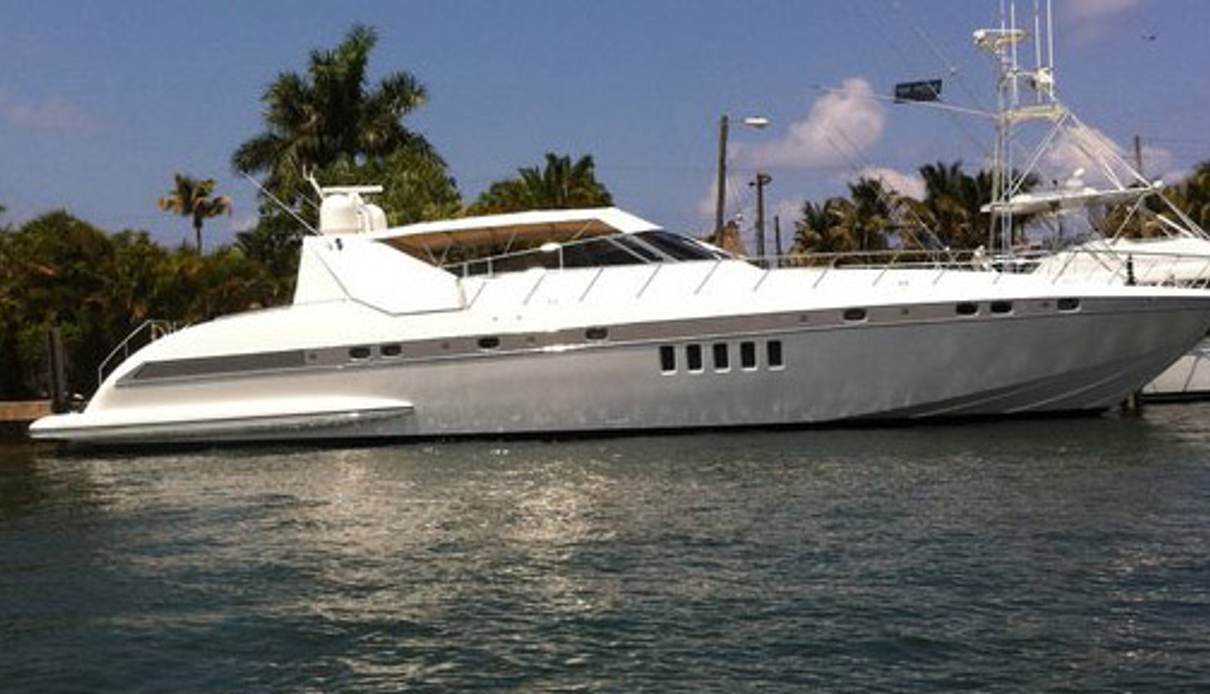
147,332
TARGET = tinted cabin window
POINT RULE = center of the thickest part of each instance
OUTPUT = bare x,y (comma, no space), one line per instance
747,355
966,309
602,252
391,350
489,342
722,359
1069,304
693,357
773,352
1002,307
677,247
359,353
667,359
596,333
854,314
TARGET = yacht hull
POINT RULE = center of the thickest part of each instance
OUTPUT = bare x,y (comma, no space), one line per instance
906,370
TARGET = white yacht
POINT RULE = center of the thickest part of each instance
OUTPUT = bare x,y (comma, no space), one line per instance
605,322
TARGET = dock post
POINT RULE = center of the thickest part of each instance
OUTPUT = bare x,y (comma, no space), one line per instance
1132,406
58,371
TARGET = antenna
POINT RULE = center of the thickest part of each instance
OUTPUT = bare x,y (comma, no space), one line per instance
1037,48
280,204
1050,36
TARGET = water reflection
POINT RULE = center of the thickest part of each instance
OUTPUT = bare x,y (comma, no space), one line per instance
792,558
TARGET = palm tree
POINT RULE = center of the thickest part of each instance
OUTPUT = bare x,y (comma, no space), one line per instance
1193,195
873,209
560,184
953,203
328,115
823,227
191,198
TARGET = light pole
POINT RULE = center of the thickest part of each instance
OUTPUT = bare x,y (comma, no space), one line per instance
724,124
762,179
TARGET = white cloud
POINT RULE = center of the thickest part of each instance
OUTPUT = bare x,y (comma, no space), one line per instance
1096,9
839,125
903,183
1091,19
53,113
1072,148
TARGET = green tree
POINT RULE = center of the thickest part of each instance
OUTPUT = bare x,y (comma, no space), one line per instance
1192,195
560,184
860,222
327,116
58,271
191,198
415,187
274,244
953,204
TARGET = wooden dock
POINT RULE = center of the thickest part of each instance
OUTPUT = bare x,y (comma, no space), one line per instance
15,415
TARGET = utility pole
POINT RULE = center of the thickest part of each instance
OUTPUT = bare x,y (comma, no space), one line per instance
1138,155
762,179
720,204
777,239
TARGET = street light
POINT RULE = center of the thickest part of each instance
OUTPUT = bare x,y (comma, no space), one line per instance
755,122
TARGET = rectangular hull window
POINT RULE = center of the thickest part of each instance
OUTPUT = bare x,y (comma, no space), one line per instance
693,357
773,354
747,355
722,360
667,359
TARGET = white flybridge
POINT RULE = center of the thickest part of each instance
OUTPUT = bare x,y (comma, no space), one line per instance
596,320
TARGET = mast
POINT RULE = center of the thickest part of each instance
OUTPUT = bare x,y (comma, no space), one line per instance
1001,44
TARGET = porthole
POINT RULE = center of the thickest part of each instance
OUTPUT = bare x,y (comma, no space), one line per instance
966,308
854,315
359,353
596,333
1002,307
1069,304
392,350
491,342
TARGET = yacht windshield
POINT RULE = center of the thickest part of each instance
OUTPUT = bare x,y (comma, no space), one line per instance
679,247
618,249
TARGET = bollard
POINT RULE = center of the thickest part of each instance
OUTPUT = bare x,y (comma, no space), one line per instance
1132,406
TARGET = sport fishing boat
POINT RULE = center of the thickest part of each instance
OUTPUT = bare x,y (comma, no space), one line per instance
597,320
1150,242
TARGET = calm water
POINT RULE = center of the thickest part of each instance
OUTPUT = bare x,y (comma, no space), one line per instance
1049,555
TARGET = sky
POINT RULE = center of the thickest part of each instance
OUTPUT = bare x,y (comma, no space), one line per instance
100,103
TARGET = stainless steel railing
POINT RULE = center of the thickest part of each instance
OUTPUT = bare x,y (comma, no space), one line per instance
147,332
